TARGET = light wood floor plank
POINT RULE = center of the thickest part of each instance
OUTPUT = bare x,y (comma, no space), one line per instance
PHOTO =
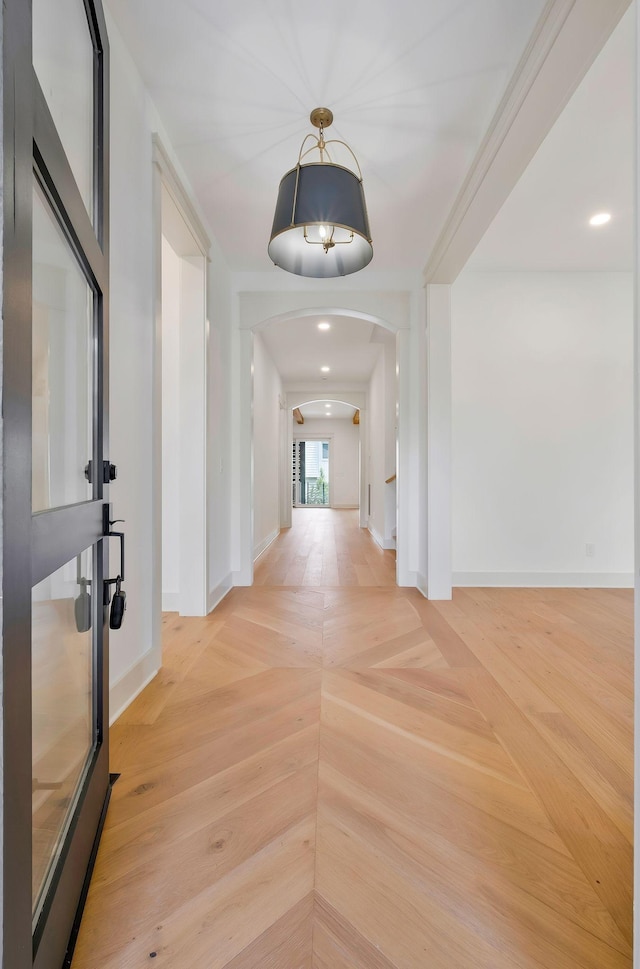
333,773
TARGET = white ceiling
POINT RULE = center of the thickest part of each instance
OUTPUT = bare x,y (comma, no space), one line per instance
299,349
584,166
337,411
413,85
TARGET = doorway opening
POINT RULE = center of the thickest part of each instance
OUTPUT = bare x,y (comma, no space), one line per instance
183,426
180,407
366,358
311,474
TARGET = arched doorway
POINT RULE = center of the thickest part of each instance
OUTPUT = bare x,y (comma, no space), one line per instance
251,323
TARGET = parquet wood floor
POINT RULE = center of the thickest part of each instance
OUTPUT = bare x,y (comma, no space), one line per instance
352,777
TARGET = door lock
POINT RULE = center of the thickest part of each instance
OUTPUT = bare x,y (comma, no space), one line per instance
109,472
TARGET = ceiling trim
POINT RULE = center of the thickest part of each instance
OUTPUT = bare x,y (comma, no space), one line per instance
569,36
173,184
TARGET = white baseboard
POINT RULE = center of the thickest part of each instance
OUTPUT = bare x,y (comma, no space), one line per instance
243,577
385,543
406,579
217,594
545,580
264,545
171,602
433,591
124,691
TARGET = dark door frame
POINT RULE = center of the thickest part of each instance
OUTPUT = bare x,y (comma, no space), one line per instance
30,139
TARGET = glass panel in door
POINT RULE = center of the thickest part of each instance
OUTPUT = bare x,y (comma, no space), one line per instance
63,58
312,473
63,718
62,366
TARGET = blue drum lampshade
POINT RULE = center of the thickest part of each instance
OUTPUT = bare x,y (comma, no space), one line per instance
320,227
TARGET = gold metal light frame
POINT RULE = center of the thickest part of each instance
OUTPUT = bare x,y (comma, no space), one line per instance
325,197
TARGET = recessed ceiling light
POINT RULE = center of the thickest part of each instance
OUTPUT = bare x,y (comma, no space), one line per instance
324,326
600,219
325,369
327,405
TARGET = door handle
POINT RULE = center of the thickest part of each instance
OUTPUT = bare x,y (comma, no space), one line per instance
119,602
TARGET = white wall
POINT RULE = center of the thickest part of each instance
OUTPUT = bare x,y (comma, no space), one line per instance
344,456
267,398
377,473
219,425
382,444
170,426
135,649
542,428
636,411
131,351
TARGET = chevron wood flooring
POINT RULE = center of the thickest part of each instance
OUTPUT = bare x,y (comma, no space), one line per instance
351,777
325,547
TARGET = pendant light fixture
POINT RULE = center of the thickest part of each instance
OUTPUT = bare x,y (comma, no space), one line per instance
320,226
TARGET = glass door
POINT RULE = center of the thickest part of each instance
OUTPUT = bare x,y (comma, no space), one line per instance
56,513
311,473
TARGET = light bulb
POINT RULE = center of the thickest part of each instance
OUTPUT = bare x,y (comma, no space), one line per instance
323,232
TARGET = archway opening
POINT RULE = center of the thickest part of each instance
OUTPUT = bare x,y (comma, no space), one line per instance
319,361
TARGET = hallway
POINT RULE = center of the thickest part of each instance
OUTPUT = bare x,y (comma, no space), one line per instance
330,772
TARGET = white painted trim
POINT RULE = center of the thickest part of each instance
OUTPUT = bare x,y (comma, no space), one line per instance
363,465
544,580
173,184
636,428
164,174
171,602
242,548
568,37
386,544
286,464
155,482
241,578
422,585
407,447
299,435
390,310
313,393
343,507
217,594
410,580
439,435
264,545
123,692
193,504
